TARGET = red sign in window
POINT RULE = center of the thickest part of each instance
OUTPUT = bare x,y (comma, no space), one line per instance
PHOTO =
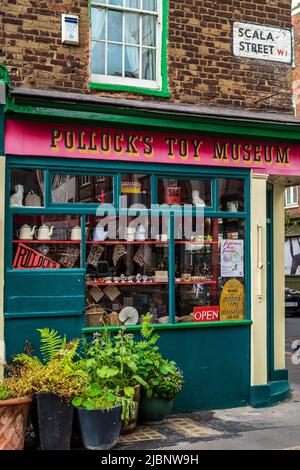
202,314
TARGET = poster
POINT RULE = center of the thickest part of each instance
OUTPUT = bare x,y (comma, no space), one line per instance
232,302
28,258
232,258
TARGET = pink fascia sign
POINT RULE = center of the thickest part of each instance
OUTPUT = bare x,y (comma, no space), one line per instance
55,140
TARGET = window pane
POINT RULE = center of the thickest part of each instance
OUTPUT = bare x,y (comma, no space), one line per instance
149,5
231,194
126,268
46,241
83,189
114,26
98,57
114,60
177,191
295,194
149,64
287,196
132,62
98,23
26,188
149,30
209,270
132,28
115,2
133,3
136,189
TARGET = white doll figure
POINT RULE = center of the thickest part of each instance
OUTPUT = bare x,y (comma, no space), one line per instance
16,199
197,201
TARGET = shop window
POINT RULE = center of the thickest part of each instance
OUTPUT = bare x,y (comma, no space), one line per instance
231,195
126,42
46,241
209,271
83,189
127,272
184,191
136,189
27,187
291,197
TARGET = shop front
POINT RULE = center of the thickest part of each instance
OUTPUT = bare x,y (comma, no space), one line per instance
105,223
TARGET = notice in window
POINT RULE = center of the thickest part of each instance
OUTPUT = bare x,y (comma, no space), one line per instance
232,258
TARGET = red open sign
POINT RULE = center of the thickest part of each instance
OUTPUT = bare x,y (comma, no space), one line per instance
202,314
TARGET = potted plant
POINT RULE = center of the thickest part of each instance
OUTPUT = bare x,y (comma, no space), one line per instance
55,381
163,378
14,407
112,363
100,413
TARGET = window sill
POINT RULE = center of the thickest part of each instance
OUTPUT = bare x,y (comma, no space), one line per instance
169,326
130,89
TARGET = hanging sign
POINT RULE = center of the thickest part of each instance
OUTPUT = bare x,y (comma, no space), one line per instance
203,314
232,302
27,258
232,258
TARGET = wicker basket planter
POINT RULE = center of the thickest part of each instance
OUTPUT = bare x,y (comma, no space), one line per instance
13,416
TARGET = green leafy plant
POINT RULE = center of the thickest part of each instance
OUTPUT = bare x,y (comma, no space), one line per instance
94,398
51,344
5,392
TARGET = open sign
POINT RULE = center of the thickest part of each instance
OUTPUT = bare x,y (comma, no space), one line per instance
202,314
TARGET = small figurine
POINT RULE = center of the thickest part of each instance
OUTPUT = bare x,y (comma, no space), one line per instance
197,201
16,199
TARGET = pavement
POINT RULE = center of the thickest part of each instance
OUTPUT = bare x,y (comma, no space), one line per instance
273,428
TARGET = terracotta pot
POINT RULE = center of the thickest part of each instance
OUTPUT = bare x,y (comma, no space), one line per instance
13,416
132,423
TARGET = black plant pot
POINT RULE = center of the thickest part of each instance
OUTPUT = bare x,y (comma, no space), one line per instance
52,421
100,429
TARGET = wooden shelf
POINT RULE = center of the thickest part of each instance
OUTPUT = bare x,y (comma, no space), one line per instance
48,242
120,284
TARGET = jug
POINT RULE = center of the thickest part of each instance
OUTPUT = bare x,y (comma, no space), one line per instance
99,234
140,233
76,233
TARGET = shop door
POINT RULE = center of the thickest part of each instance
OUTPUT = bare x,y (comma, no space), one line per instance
270,283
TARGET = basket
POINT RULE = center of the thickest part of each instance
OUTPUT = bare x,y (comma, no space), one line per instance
95,316
113,319
186,319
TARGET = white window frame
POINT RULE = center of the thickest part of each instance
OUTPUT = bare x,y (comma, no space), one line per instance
293,203
126,81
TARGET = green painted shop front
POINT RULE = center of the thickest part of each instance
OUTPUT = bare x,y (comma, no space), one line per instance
215,356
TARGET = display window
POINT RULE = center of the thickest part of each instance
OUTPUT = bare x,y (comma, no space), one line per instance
179,266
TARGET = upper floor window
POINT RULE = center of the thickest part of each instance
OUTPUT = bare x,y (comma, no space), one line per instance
291,196
126,42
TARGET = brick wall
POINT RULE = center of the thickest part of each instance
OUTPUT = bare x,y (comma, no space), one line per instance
202,69
296,71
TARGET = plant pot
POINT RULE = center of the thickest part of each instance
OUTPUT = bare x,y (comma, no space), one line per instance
154,410
132,423
52,421
13,417
100,429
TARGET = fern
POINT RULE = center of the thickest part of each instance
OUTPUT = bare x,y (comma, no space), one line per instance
51,344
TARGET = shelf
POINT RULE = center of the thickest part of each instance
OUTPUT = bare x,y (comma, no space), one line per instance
47,242
92,284
208,281
124,242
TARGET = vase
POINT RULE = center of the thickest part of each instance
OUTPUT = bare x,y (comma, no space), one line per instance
52,421
13,417
154,410
132,423
100,428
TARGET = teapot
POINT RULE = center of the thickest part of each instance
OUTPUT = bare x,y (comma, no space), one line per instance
33,200
26,232
44,232
76,233
99,234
